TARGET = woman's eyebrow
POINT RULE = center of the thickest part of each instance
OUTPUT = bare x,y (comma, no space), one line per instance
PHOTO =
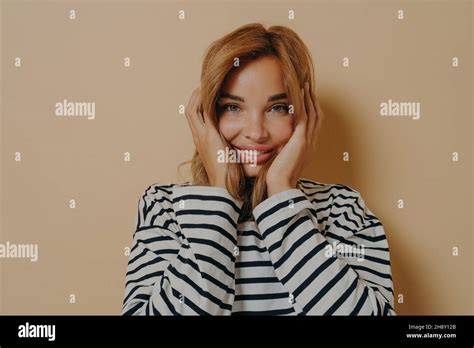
277,97
236,97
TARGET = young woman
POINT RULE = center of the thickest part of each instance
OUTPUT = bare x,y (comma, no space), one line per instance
253,237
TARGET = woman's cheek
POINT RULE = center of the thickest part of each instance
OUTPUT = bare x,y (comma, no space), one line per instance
229,128
282,130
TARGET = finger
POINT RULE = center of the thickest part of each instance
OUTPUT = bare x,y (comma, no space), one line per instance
198,108
191,105
320,119
311,113
207,118
301,126
204,116
317,108
191,115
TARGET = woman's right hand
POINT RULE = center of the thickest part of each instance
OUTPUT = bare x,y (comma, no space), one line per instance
207,139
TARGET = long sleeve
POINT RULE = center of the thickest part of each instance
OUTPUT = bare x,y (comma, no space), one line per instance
310,257
182,257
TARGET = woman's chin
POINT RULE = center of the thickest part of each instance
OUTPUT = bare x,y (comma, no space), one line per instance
250,170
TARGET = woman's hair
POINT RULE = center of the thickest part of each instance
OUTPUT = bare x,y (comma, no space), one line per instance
250,42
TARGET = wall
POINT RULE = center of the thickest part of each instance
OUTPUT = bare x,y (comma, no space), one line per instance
82,249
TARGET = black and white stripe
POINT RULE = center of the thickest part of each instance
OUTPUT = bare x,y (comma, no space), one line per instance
188,259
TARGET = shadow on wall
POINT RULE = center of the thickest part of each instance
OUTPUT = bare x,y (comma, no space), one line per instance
328,167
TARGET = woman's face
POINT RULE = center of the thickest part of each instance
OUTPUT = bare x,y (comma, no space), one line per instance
254,113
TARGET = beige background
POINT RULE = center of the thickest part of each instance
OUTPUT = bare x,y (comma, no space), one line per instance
81,250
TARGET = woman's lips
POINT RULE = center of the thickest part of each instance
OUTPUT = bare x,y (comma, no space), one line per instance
264,157
253,156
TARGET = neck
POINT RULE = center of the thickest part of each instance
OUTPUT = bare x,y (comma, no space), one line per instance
249,181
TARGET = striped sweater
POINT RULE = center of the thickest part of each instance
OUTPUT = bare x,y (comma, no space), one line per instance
312,250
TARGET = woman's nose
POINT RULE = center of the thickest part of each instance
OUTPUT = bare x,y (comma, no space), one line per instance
255,129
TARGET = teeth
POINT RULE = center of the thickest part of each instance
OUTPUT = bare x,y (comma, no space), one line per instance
257,152
251,152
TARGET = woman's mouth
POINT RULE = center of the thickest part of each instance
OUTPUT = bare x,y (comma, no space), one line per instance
254,155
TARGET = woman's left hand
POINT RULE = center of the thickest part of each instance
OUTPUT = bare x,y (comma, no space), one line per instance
285,170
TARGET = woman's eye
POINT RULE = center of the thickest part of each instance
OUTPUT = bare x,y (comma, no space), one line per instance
231,107
280,108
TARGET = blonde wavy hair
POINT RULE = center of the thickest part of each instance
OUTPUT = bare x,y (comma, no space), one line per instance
251,42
